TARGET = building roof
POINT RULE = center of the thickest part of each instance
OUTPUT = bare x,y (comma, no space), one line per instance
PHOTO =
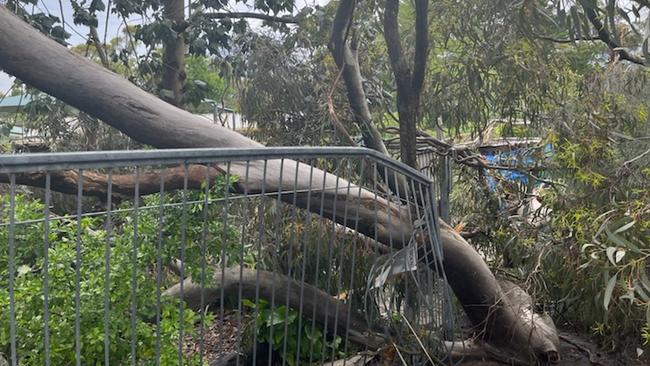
13,103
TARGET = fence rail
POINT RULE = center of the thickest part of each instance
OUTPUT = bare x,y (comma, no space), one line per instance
219,256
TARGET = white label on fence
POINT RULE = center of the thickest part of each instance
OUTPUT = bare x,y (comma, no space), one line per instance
404,260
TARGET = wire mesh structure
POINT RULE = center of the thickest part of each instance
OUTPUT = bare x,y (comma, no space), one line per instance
219,257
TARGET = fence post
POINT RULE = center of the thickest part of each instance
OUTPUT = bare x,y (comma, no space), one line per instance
445,187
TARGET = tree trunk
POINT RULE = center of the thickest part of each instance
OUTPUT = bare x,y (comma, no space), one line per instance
48,66
173,76
302,297
96,184
409,82
347,60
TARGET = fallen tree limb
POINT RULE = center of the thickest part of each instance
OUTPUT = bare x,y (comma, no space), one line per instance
96,184
50,67
268,286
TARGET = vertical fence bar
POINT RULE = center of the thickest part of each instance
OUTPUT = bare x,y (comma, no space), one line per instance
204,234
353,260
46,270
445,187
77,302
330,253
182,264
107,269
290,260
161,219
224,240
319,241
342,249
12,268
246,204
261,224
304,257
134,269
278,238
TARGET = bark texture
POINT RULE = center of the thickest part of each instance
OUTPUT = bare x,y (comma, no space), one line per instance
48,66
96,184
305,298
345,54
409,80
173,77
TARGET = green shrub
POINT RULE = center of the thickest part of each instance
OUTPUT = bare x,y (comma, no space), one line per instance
93,237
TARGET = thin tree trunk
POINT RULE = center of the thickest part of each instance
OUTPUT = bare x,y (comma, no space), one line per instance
48,66
347,60
173,76
409,82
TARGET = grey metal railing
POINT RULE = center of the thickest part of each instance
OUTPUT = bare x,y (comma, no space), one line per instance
218,256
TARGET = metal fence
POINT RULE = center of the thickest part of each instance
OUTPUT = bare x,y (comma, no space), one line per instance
219,256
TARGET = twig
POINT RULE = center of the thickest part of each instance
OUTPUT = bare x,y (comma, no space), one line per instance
592,358
625,164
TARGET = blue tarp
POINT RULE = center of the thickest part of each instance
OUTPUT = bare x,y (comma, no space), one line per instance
515,157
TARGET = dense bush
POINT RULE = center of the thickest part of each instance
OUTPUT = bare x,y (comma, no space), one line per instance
95,237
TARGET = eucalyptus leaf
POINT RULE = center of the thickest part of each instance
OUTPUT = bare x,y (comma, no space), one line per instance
625,227
610,254
609,290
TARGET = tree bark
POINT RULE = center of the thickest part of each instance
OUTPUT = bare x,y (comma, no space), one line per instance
50,67
123,185
173,77
347,62
304,298
346,58
409,83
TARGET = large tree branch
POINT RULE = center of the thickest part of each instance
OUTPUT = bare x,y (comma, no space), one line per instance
305,298
347,62
96,184
346,59
606,37
394,48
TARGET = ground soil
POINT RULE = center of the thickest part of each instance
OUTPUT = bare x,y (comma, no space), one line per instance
220,343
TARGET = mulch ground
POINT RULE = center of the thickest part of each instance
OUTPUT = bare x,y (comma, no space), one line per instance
220,344
219,339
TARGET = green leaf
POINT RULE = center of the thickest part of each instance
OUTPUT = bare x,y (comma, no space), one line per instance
609,290
625,227
622,241
610,254
248,303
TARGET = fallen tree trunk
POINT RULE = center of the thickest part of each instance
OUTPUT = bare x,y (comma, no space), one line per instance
96,184
48,66
305,298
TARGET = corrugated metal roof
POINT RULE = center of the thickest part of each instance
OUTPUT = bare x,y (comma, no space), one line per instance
13,103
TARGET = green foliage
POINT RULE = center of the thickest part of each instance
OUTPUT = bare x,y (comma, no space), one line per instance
604,218
188,224
94,238
271,324
203,82
588,261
